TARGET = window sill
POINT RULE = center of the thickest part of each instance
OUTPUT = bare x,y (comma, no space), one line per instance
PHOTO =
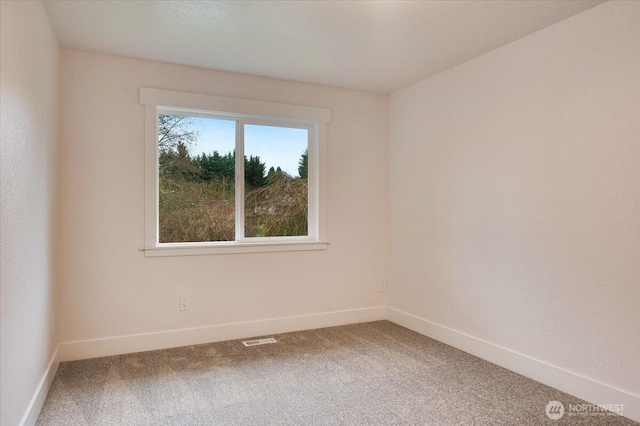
232,248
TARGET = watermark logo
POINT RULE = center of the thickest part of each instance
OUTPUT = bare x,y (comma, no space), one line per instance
555,410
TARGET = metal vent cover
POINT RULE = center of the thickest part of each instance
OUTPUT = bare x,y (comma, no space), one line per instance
257,342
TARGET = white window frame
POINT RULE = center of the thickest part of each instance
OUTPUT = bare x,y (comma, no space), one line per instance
242,111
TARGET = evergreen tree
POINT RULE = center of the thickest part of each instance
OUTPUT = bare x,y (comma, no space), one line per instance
303,164
271,174
254,172
216,166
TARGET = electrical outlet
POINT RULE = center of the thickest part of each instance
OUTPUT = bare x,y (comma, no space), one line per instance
383,285
185,302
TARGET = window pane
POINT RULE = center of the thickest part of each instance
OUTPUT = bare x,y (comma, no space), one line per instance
276,201
197,179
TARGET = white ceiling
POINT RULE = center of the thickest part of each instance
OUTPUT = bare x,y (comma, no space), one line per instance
377,46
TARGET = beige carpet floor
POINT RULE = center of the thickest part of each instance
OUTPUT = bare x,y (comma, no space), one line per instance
375,373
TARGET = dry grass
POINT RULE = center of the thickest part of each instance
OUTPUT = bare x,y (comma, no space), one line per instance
278,209
205,211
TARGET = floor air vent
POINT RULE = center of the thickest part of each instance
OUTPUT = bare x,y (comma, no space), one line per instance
257,342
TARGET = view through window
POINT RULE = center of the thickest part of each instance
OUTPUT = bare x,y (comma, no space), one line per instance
199,180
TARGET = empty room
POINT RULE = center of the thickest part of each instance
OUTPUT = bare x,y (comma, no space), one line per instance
319,212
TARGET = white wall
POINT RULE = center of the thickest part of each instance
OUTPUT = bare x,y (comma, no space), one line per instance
29,80
515,196
108,288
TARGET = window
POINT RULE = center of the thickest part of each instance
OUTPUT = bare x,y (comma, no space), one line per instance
226,175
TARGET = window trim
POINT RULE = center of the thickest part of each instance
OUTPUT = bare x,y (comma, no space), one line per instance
244,111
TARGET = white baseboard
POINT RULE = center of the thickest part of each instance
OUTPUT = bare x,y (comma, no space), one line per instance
30,416
575,384
84,349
